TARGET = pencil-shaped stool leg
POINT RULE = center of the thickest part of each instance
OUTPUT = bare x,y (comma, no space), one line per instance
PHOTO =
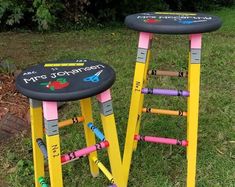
53,143
142,96
136,104
37,132
193,106
110,132
90,137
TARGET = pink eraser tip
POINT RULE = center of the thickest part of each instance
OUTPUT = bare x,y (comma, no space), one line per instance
185,143
106,143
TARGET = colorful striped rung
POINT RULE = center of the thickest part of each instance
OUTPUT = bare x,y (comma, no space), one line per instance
153,139
104,170
96,131
167,73
166,112
75,155
71,121
157,91
42,147
42,182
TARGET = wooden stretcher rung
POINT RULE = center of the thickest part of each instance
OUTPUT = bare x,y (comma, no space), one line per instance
75,155
42,147
42,182
155,72
165,92
96,131
166,112
161,140
104,170
71,121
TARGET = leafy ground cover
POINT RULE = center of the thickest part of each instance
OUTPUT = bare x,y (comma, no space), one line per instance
153,165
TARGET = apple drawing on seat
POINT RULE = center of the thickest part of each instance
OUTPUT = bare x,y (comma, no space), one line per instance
151,20
60,83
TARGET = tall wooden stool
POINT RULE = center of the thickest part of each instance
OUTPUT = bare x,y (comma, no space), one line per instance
80,79
148,24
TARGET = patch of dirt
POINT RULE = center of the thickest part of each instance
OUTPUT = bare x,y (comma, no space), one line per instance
14,108
3,184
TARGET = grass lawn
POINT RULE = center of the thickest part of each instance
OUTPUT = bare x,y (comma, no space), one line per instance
153,164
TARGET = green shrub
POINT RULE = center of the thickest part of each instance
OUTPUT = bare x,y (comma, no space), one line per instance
7,66
199,5
111,10
12,12
46,13
49,14
76,11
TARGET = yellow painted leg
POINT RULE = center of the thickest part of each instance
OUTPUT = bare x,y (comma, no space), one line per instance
136,101
193,107
53,143
90,137
54,160
141,100
110,132
37,132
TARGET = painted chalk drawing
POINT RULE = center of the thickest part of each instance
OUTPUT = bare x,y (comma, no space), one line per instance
182,19
57,84
151,20
189,22
93,78
33,78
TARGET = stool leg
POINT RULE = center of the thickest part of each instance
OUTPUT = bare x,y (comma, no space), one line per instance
110,132
193,106
53,143
142,97
90,137
37,132
136,100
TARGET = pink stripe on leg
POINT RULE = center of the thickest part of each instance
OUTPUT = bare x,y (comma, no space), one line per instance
104,96
196,41
144,40
50,110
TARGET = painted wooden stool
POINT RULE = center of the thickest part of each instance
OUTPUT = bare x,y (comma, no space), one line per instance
167,23
80,79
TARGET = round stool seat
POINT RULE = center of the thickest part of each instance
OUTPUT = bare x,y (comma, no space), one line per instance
65,80
172,23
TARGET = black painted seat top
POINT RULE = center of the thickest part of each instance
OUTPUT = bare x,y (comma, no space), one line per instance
65,80
173,22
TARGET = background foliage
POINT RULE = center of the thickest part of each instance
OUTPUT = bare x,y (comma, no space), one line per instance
154,165
60,14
